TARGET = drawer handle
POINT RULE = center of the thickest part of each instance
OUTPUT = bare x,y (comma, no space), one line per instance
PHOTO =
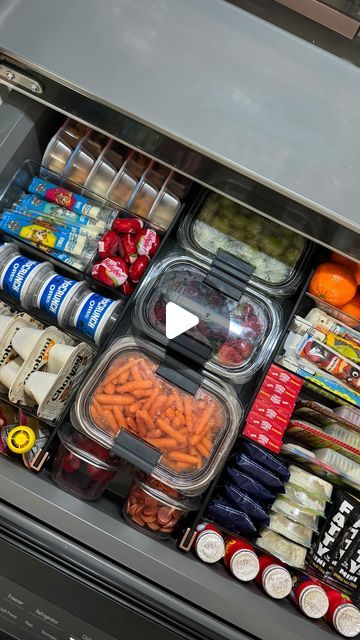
17,78
323,14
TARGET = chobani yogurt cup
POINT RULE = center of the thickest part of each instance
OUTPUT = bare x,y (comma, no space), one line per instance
94,315
18,277
57,296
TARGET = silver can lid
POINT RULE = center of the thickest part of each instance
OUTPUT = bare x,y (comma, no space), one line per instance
209,546
277,581
245,565
313,601
346,620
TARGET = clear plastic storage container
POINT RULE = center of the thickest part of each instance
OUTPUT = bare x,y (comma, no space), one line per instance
311,483
157,510
240,334
82,467
192,434
57,154
293,530
342,464
296,513
305,499
344,435
275,252
349,413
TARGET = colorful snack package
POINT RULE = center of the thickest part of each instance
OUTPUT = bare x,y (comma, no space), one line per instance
231,518
322,321
266,439
245,504
266,477
250,486
266,459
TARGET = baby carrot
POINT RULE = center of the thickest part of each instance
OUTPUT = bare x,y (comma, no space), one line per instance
144,415
188,414
154,433
137,384
142,393
178,401
155,400
201,427
180,456
116,371
136,375
202,449
94,413
162,443
96,405
107,399
123,378
120,420
131,424
207,442
170,431
109,388
110,421
141,426
170,412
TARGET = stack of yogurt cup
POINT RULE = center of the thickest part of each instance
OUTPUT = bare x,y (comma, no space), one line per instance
67,302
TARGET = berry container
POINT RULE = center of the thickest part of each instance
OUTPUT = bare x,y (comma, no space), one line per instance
240,333
127,406
276,253
81,466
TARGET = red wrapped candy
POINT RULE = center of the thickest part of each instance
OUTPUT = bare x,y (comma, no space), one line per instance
127,248
108,245
127,288
147,242
138,267
127,225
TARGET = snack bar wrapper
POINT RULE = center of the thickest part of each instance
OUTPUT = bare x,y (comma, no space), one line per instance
323,322
342,342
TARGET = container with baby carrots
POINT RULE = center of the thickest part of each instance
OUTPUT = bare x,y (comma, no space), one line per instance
129,405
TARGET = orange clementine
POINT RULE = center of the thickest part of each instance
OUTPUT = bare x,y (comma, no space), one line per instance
352,308
333,283
351,265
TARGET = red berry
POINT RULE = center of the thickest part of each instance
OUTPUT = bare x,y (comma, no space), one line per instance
70,462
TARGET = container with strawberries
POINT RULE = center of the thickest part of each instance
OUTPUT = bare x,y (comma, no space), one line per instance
124,253
240,331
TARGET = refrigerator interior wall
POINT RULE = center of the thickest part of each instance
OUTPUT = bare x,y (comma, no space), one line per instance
99,527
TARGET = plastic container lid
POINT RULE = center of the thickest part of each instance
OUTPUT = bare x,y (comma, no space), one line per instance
244,565
71,440
344,435
301,497
340,463
293,530
299,514
275,252
192,434
240,334
94,314
288,552
313,601
346,620
276,581
311,483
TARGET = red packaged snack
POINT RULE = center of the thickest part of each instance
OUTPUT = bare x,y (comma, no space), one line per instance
116,269
342,613
95,269
127,225
127,288
209,543
274,386
286,403
127,248
285,377
275,414
309,596
103,276
147,242
138,268
273,577
267,440
266,425
108,245
240,558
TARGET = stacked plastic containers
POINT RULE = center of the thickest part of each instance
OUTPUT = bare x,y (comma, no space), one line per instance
116,172
294,517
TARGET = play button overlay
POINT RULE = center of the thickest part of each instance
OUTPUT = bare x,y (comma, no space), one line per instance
178,320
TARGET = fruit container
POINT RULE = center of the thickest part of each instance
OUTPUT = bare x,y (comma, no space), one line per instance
155,508
178,438
240,334
82,467
276,253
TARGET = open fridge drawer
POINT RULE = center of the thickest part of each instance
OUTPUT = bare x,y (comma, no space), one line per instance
206,598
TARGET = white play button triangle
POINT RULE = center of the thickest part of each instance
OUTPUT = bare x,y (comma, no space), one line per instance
178,320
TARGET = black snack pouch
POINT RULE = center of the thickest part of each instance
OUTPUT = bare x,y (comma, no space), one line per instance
249,485
329,546
230,518
267,460
345,570
255,470
243,502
